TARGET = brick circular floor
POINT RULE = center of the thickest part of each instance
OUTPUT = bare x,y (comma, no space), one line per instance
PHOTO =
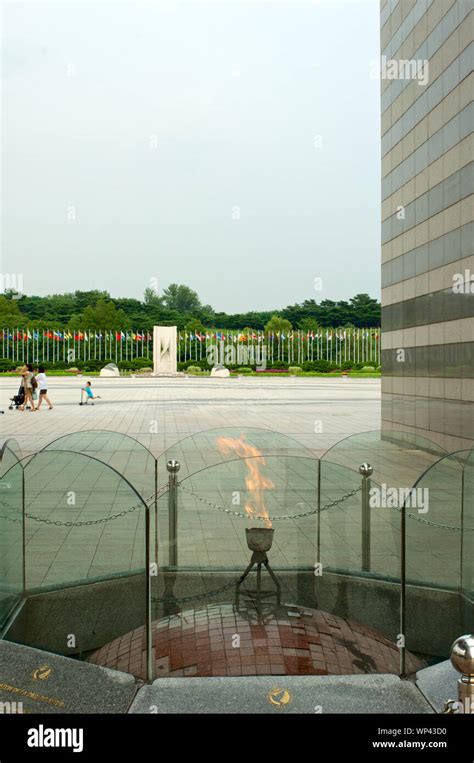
218,640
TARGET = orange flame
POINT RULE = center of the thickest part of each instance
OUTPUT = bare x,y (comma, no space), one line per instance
255,482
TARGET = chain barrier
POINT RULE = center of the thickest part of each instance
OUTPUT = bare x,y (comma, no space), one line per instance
315,511
89,522
436,524
237,514
240,515
199,596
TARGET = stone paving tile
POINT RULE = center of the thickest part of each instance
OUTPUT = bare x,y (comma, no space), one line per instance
182,407
271,648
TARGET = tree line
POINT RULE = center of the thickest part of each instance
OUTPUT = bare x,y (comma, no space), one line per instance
180,306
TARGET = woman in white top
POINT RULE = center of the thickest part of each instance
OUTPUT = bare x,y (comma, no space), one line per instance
43,388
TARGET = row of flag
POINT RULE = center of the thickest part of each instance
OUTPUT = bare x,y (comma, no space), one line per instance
77,336
295,346
67,346
264,336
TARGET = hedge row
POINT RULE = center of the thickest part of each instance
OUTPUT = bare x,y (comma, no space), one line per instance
82,365
320,366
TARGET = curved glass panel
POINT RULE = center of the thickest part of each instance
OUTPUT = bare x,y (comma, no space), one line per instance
85,555
10,453
124,453
204,449
397,458
217,504
467,563
79,520
353,541
434,537
11,529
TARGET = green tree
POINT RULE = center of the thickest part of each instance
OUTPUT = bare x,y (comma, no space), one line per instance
207,315
178,307
366,310
10,313
308,324
195,325
276,323
87,298
181,298
151,298
104,315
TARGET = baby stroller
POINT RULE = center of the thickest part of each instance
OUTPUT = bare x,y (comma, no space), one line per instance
18,399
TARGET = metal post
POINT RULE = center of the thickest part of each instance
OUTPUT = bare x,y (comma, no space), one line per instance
403,584
23,526
365,470
462,658
149,642
156,513
464,547
173,469
318,541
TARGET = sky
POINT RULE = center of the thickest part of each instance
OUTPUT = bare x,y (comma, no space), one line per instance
230,146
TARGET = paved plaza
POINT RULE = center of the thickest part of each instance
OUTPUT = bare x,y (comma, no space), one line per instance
316,411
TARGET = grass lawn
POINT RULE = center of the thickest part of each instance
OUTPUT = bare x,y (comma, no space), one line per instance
329,374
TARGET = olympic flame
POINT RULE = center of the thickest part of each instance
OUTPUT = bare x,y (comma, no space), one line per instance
255,482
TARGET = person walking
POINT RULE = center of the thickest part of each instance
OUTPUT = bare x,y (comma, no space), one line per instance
43,388
28,383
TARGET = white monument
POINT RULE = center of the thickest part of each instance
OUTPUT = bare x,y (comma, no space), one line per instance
220,372
110,370
164,350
